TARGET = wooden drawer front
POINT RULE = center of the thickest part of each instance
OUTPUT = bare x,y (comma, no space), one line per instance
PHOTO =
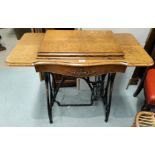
80,71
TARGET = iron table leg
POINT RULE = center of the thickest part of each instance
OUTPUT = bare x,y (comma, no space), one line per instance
48,94
107,94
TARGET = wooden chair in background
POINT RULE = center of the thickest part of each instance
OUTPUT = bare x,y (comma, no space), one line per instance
144,119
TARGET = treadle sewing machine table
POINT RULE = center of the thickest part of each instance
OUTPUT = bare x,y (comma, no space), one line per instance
80,54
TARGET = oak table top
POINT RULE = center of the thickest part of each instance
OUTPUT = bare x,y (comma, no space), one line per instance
123,46
79,43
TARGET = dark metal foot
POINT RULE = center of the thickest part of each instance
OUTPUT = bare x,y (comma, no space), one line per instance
50,114
107,96
106,119
49,95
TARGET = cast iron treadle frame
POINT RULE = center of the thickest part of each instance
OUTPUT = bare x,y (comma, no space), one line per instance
96,87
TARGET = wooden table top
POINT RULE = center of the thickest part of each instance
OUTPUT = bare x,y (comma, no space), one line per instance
26,51
79,43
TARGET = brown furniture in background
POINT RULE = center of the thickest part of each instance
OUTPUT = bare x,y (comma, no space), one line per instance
20,32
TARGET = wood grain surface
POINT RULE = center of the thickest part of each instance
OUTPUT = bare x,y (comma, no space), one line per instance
79,42
80,71
25,53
